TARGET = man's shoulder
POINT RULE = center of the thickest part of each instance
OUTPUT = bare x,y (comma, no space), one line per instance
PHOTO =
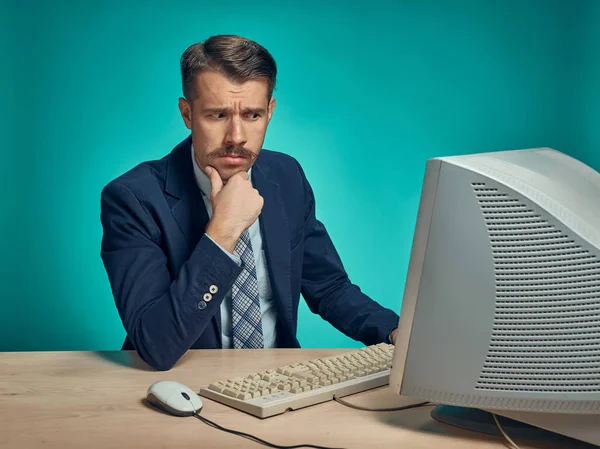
143,178
148,178
280,164
273,156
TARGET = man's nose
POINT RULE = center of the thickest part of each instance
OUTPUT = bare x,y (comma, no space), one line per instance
236,134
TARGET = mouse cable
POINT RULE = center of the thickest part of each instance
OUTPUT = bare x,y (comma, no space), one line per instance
253,438
511,443
392,409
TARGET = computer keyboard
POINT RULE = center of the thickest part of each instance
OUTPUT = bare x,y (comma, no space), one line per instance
301,384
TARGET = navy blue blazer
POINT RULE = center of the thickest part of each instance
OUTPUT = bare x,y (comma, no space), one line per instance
160,263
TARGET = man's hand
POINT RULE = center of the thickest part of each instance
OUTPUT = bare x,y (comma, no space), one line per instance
235,207
394,335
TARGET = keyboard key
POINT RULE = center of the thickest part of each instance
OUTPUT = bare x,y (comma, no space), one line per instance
230,392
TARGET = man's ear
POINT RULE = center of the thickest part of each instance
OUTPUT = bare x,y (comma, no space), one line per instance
186,112
271,108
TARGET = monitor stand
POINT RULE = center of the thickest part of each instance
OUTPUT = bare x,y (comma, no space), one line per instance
482,421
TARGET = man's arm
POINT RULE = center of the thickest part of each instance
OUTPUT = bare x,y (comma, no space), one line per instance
328,290
163,318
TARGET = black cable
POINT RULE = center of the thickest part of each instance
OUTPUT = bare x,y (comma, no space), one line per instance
255,439
392,409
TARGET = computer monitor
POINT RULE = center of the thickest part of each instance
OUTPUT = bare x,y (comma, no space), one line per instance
501,310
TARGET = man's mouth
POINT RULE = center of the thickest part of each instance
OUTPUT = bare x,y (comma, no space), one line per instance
233,159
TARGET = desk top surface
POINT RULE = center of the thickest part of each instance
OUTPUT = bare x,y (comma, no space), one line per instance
96,400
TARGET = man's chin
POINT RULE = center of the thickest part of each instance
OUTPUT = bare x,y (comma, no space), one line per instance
227,172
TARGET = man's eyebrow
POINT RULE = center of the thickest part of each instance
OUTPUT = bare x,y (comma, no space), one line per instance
213,110
258,110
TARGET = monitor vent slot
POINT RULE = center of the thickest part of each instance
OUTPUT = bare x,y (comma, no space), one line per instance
546,335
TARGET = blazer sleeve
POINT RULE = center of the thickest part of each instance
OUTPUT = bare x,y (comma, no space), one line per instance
163,315
329,292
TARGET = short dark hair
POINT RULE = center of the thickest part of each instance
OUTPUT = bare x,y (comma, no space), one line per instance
237,58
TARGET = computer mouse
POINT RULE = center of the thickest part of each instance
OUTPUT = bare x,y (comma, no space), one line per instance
174,398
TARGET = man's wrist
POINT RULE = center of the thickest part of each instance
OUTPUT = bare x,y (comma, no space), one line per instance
232,256
222,236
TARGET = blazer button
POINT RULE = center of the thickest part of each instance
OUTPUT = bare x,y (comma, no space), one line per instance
213,289
207,297
202,305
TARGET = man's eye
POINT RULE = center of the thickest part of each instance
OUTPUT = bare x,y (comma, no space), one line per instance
253,115
217,115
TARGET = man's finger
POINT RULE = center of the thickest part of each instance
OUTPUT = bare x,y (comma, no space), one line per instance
216,183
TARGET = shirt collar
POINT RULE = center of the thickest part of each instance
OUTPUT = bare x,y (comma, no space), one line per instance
202,179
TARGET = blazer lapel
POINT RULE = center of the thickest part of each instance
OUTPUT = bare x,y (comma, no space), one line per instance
189,211
275,236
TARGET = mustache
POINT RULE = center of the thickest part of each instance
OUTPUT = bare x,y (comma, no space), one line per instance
232,151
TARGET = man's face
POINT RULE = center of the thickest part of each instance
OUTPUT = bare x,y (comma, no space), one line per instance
228,122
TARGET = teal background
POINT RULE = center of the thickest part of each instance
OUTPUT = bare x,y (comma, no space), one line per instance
365,96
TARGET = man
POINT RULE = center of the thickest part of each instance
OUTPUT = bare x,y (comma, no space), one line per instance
212,245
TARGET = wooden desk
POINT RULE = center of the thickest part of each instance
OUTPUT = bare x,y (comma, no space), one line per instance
91,400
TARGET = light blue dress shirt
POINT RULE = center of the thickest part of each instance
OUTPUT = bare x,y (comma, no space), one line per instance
267,307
